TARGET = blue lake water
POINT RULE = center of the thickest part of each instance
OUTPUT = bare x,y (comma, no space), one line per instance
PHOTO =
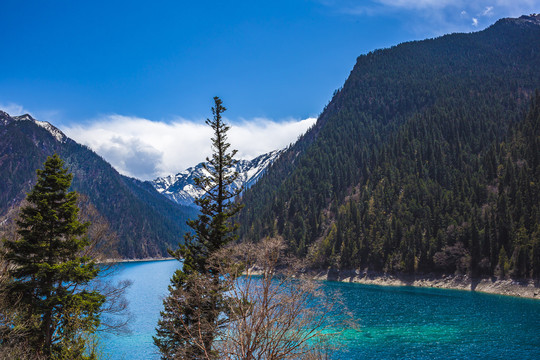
394,322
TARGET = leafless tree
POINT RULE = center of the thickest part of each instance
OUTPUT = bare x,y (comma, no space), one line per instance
272,312
115,315
12,338
275,312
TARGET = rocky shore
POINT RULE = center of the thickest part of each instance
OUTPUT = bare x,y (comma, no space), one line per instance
492,285
113,261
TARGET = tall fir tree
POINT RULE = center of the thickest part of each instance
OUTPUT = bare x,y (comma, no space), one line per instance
48,287
193,313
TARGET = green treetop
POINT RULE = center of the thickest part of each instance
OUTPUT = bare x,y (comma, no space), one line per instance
48,287
193,311
213,228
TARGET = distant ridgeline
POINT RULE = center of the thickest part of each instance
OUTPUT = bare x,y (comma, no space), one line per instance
146,222
426,160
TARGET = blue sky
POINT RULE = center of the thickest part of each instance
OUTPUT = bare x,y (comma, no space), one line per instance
91,67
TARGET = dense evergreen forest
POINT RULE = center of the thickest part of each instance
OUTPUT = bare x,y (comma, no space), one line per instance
145,222
426,160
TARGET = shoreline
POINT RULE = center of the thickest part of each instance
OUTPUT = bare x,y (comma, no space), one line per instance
524,288
510,287
109,261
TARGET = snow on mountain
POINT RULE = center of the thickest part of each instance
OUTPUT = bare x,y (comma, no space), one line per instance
4,118
58,135
181,187
53,130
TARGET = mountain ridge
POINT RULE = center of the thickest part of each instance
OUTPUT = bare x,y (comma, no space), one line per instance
147,224
392,171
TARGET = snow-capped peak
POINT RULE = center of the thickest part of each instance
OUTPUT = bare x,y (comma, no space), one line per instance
53,130
4,117
181,187
58,135
24,117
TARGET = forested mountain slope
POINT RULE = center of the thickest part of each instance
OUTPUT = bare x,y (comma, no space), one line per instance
146,222
419,163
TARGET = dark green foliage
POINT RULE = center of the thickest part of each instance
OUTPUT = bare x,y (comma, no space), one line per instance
213,227
146,223
194,309
49,279
421,162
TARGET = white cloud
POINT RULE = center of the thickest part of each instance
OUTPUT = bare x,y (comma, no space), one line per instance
487,11
14,109
259,136
135,157
474,22
146,149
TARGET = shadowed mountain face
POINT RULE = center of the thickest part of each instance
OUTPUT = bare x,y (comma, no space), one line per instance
146,222
405,168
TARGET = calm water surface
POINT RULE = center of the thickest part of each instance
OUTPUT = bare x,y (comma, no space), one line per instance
395,322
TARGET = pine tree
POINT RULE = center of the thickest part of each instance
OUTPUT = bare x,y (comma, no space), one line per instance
193,313
48,286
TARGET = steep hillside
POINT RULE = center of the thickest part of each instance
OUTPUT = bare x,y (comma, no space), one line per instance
146,222
394,176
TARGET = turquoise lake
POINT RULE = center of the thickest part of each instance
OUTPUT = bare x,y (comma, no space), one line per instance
394,322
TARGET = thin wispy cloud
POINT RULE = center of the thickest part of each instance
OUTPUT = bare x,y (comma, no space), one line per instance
147,149
417,4
14,109
487,6
488,11
437,17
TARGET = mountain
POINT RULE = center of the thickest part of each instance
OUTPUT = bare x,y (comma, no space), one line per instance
145,222
411,168
181,188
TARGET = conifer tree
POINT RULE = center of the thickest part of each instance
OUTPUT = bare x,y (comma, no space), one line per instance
194,309
48,278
